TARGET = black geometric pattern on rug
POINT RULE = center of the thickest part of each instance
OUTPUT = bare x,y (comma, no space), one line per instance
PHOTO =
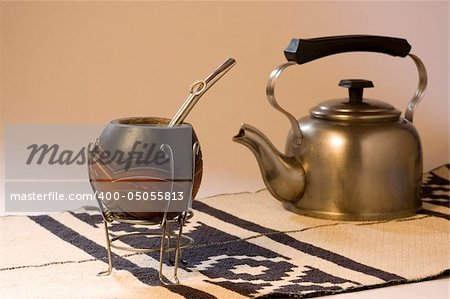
436,191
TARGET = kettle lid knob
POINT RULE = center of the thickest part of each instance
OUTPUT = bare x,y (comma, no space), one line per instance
355,108
356,88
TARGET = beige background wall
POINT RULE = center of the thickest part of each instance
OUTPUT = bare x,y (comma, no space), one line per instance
86,62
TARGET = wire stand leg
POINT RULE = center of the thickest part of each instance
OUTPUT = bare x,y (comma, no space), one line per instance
162,251
108,249
178,249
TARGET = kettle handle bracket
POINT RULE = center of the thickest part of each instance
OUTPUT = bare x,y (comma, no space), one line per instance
423,80
270,92
298,136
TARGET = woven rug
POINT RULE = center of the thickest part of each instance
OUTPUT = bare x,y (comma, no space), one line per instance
246,245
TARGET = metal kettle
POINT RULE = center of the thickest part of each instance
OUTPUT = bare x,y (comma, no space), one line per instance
351,158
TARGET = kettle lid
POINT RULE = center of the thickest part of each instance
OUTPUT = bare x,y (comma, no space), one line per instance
355,108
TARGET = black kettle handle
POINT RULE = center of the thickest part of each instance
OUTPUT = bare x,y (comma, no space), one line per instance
305,50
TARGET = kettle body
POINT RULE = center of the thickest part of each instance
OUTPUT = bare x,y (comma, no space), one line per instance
363,171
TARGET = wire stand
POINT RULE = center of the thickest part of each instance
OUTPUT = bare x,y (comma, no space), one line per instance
165,233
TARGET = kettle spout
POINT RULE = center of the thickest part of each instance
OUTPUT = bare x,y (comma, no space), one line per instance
283,176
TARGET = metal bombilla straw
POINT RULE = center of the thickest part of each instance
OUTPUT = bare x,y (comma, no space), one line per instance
198,88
